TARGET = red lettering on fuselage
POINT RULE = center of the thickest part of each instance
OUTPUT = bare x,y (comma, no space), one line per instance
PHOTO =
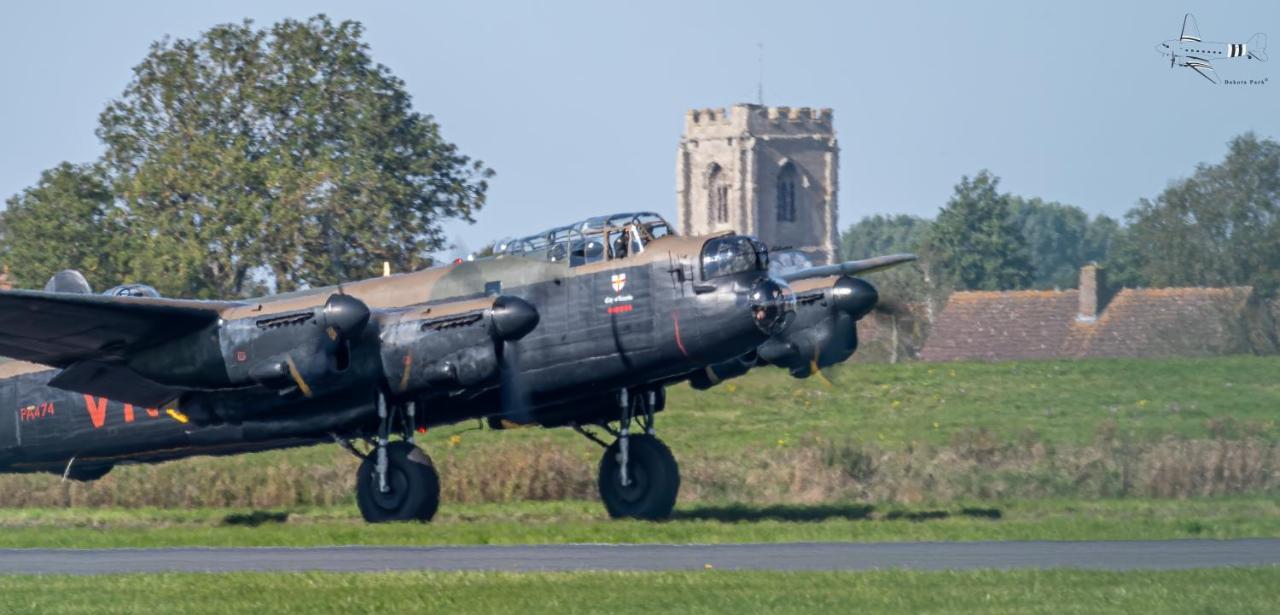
97,407
35,411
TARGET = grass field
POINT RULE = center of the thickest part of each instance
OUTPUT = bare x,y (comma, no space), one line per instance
910,434
1255,590
582,522
1062,402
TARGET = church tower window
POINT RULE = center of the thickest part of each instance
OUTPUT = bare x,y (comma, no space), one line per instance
718,182
786,198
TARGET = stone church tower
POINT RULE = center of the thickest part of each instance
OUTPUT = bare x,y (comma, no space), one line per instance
763,171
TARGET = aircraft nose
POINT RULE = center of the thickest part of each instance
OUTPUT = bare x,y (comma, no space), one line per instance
773,305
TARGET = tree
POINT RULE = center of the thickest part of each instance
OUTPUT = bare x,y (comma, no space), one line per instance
66,221
1061,238
974,244
1055,239
878,234
286,154
1101,237
1219,227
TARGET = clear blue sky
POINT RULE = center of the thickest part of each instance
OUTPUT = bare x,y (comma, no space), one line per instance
579,106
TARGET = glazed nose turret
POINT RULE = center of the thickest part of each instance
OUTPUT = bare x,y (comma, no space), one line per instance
773,305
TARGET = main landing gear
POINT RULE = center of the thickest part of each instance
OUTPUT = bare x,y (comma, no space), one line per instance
639,477
396,480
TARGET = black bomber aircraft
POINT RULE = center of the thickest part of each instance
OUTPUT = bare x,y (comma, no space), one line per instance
582,326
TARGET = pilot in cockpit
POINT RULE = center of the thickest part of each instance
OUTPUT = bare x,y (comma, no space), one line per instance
632,239
620,243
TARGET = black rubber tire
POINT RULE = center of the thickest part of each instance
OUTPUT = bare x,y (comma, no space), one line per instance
414,483
655,480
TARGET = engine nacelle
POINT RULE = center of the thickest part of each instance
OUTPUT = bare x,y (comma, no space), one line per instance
825,329
422,352
305,349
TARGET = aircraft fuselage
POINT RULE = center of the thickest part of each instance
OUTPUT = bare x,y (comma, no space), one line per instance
646,320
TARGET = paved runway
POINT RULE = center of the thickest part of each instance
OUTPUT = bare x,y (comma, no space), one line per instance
1147,555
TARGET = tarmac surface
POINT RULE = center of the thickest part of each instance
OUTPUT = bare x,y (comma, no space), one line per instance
1121,555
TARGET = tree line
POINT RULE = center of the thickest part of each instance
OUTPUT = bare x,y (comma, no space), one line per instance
248,160
1218,227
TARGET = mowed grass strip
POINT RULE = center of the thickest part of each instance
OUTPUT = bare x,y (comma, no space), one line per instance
585,522
1248,590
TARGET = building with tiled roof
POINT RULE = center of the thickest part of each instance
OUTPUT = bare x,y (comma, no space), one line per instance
1086,322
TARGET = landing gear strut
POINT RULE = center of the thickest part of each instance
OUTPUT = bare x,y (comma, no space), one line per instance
396,480
639,477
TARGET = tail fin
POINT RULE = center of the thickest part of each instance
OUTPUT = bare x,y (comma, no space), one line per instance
68,281
1257,47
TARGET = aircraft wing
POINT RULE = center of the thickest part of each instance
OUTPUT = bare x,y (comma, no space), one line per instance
61,329
866,265
1203,67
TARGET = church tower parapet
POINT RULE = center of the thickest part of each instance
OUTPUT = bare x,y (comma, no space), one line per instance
764,171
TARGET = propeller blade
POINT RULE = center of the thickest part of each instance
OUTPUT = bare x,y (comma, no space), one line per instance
890,307
514,393
513,318
823,378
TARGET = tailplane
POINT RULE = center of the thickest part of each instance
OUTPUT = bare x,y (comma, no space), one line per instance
1257,47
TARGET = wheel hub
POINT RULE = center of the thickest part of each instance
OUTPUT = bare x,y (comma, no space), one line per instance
638,486
397,489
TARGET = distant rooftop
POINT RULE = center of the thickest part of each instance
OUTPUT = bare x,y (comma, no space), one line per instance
1136,322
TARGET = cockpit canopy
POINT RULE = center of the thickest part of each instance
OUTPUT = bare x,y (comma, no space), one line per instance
591,240
730,254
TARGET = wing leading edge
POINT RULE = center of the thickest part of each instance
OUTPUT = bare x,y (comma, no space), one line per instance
866,265
61,329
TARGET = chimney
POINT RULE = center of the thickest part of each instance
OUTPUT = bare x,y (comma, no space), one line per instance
1089,293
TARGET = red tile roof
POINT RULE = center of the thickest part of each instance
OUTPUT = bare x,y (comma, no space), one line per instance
1043,324
1166,322
1001,325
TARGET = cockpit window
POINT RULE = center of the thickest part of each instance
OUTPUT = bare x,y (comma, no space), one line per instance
586,251
591,240
724,256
